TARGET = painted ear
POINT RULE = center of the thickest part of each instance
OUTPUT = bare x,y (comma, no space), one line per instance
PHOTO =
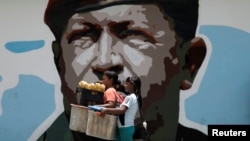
56,51
193,60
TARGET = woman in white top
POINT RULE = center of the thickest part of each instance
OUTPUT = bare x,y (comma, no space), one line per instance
127,110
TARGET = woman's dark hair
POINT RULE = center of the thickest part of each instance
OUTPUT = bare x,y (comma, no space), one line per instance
112,75
136,82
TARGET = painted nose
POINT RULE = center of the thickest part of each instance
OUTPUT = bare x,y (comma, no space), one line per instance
106,49
108,58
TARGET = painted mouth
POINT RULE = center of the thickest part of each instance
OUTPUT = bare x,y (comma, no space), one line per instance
98,71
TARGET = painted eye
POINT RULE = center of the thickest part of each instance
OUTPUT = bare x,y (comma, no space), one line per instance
124,31
86,36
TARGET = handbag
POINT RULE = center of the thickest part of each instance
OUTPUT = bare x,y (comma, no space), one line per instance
140,130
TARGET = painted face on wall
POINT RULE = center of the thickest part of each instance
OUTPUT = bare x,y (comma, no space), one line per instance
129,39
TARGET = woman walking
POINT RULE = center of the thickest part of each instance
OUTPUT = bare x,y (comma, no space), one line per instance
127,110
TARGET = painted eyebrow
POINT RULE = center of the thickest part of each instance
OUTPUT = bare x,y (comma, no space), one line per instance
123,29
91,30
24,46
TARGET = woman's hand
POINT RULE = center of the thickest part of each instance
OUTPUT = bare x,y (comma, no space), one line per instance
103,111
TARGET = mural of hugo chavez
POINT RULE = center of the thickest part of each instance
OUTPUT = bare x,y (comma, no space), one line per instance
150,39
